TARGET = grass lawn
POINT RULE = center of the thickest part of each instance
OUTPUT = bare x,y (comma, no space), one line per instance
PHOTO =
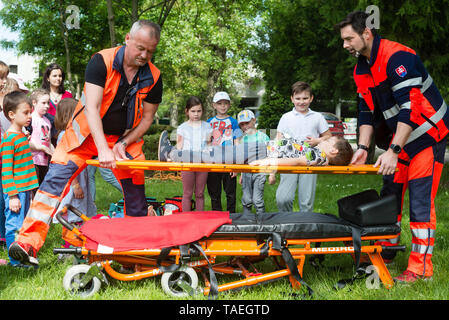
45,283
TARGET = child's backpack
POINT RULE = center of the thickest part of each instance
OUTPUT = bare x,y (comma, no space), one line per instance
174,204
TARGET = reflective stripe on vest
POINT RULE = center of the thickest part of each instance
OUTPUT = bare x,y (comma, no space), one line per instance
426,235
422,249
426,125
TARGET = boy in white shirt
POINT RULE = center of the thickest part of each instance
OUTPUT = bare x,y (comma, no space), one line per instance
301,123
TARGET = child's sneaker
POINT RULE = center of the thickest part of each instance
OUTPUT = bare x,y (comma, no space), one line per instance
408,277
23,252
3,262
164,147
22,266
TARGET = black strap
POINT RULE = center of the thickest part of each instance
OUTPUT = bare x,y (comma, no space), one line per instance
164,254
213,292
291,264
360,272
357,244
279,244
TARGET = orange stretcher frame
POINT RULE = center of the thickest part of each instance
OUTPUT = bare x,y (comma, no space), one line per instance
214,167
145,264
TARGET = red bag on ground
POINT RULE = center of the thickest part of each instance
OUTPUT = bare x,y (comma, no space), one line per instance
151,232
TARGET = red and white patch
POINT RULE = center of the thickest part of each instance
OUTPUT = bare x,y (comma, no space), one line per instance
401,71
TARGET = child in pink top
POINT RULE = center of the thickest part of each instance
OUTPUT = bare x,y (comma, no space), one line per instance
40,141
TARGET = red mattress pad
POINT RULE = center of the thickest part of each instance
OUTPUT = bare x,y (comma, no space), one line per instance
151,232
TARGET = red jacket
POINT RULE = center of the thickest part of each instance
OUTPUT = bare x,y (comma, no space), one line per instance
395,87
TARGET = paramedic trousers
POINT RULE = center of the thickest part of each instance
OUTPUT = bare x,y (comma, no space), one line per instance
421,175
57,184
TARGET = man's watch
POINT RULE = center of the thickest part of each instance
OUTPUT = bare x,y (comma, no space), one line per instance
363,147
396,148
123,142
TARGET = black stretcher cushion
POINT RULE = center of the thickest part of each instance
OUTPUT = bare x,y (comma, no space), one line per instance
300,225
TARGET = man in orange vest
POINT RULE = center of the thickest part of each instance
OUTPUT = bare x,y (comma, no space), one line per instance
121,94
401,105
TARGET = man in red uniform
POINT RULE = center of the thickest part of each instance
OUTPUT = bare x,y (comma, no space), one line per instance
121,95
401,105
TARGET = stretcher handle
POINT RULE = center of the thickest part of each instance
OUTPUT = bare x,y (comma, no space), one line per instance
394,248
67,250
63,221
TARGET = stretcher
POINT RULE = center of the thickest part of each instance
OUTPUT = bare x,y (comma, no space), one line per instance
244,240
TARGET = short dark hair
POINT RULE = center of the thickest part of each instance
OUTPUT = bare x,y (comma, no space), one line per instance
301,86
345,152
193,101
12,100
357,20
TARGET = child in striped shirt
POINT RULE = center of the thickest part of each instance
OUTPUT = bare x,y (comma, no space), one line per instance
18,172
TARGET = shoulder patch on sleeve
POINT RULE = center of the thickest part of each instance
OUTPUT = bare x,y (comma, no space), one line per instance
401,71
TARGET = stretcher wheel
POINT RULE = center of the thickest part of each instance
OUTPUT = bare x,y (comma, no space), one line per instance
180,283
73,279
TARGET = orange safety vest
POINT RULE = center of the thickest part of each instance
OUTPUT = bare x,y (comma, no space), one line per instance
77,129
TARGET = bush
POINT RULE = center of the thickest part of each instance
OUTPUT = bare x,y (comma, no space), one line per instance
272,109
158,128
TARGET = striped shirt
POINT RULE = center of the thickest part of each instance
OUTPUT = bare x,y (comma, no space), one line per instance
18,172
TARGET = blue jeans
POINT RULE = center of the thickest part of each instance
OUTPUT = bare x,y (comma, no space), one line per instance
14,220
106,174
2,213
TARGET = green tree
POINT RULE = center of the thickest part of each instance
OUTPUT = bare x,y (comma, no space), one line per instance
46,30
297,41
204,48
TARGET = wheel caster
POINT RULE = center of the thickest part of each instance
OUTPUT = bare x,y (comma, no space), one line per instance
180,283
80,281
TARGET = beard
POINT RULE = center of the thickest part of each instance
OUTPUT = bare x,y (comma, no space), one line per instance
357,53
140,62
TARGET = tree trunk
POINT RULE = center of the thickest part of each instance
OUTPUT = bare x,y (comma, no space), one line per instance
63,28
165,11
111,23
176,104
134,11
213,82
